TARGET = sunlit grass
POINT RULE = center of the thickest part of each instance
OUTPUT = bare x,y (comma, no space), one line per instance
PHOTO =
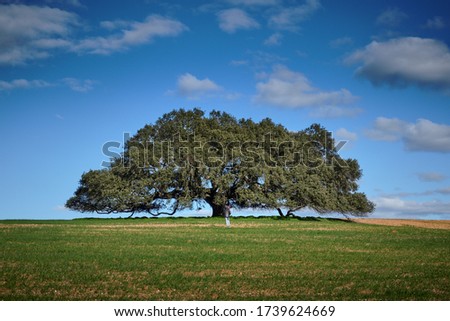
199,259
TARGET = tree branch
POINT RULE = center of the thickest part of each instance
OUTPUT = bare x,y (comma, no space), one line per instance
164,213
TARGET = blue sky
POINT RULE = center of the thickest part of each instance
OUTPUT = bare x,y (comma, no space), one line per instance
75,74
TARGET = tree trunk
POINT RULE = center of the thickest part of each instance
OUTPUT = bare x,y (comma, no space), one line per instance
217,210
280,212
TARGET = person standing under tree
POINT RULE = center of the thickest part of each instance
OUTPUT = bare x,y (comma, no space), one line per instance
227,213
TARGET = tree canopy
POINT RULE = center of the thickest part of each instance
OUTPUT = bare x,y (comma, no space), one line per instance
187,159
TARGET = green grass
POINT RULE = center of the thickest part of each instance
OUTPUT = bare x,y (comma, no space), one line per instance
199,259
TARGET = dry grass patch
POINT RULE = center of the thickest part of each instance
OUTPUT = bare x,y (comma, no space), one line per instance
434,224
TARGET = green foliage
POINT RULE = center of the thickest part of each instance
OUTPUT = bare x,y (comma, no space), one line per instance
187,159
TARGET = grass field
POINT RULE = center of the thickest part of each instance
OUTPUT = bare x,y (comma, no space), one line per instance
199,259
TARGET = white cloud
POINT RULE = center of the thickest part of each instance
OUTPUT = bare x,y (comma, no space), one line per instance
344,139
387,129
191,87
443,191
22,84
232,96
73,3
345,134
239,63
30,32
391,17
438,191
405,61
286,88
136,33
254,2
431,176
79,85
400,207
72,83
427,136
341,42
50,44
435,23
259,60
274,40
231,20
335,112
288,18
424,135
115,24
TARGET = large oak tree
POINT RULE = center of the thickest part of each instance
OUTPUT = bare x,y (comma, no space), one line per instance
187,159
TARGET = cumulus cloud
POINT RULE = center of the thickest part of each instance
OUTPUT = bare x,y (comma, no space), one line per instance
191,87
288,18
387,129
344,139
431,176
424,135
403,62
345,134
30,32
391,17
133,33
231,20
286,88
22,84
